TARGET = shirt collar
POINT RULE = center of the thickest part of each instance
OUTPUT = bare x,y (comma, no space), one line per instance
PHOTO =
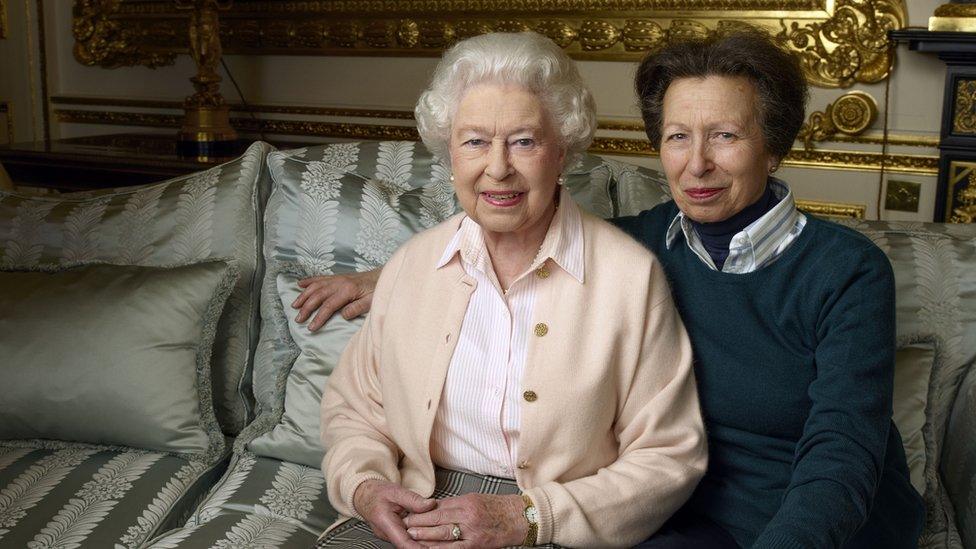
563,243
753,241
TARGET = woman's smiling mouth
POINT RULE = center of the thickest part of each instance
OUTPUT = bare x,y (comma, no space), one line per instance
503,199
703,193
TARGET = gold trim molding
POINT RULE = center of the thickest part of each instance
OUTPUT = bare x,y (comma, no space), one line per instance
832,209
845,160
851,114
840,42
964,109
389,114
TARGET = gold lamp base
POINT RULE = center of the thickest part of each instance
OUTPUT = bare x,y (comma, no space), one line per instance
954,18
207,132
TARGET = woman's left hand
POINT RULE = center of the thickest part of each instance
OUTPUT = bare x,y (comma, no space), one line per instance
484,520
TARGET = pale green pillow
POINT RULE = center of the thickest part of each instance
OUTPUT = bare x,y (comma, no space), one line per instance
913,371
111,354
197,217
295,437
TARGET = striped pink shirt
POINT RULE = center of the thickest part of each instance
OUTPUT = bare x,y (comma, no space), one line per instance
477,424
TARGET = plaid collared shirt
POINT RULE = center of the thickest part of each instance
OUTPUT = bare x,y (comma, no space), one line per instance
759,244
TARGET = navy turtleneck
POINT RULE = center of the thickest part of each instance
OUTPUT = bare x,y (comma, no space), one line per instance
717,236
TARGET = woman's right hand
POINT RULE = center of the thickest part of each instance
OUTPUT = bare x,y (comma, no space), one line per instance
352,293
383,505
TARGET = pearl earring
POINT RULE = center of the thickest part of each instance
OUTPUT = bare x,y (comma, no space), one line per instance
452,178
560,180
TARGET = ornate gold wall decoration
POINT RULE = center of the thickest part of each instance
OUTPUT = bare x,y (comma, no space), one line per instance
964,108
954,17
840,41
851,114
832,209
961,196
851,46
101,39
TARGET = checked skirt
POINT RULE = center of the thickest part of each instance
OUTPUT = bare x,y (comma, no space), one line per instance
356,534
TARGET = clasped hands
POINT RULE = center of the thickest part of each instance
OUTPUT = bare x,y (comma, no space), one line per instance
410,521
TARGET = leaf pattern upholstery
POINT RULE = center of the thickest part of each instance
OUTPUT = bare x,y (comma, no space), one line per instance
75,495
207,215
259,503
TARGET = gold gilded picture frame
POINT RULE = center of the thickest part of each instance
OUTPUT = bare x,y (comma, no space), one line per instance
841,42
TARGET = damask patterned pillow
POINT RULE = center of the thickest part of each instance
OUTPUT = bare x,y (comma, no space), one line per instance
343,208
206,215
935,286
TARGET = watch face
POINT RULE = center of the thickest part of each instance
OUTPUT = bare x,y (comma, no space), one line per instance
532,515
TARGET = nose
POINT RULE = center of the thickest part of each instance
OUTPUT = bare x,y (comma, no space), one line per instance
700,162
499,167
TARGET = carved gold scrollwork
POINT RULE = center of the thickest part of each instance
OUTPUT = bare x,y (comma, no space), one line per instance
852,46
961,207
598,35
408,34
380,34
841,42
642,35
436,34
964,109
851,114
966,212
558,31
956,10
100,40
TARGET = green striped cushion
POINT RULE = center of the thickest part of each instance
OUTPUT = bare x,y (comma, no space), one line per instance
73,495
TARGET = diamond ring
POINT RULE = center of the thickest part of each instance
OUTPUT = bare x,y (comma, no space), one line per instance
456,532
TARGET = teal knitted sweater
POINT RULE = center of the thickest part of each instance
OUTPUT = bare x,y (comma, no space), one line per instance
795,365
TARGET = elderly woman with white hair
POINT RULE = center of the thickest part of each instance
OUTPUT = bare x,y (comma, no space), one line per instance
503,391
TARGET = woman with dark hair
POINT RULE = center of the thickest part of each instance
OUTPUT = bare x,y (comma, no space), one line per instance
791,317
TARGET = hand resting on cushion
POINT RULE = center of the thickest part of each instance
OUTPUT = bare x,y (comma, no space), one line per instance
324,296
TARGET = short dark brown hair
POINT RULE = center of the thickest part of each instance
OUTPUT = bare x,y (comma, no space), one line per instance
777,75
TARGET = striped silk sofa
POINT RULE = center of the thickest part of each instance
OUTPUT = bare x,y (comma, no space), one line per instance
157,391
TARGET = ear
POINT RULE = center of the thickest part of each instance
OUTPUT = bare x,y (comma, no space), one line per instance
772,164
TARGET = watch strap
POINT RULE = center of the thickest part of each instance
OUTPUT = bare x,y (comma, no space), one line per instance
533,533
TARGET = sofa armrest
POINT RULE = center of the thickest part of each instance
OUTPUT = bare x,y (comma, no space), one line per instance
959,458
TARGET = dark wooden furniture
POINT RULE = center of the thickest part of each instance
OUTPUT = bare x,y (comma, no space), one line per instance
98,162
955,199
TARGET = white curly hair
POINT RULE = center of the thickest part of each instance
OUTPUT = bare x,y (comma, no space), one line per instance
526,59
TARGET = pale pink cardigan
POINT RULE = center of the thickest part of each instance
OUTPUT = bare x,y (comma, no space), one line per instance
613,442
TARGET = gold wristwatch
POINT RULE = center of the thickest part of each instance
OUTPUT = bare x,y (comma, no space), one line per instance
531,515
